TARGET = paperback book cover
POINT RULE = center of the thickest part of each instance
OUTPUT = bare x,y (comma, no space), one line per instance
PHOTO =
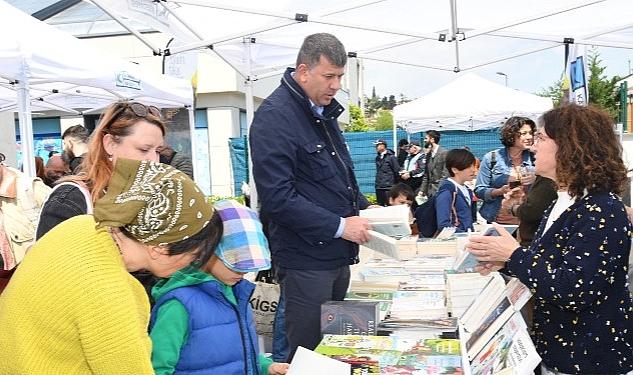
491,324
382,349
350,317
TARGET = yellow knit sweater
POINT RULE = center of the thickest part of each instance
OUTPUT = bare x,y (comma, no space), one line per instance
72,308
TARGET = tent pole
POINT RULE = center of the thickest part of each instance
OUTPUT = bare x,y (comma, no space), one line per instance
250,113
192,136
454,32
26,124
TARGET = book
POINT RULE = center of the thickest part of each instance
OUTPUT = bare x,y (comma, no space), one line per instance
518,293
492,356
522,356
350,317
383,349
384,274
383,244
465,260
490,325
391,221
484,302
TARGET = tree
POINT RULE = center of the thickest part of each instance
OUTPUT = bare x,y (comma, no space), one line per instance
357,121
603,91
554,91
384,120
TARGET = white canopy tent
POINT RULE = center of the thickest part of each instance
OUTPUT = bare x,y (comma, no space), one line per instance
469,102
43,68
446,36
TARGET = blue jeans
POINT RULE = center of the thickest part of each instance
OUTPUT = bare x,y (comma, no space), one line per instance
280,341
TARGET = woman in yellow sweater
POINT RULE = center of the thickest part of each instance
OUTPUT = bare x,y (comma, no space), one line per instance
79,311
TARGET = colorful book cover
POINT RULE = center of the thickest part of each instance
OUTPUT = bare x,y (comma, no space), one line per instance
372,296
383,349
499,315
350,317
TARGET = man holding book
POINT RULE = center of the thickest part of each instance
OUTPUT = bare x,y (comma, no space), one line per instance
307,187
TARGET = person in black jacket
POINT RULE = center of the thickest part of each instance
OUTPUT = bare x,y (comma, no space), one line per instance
306,185
387,168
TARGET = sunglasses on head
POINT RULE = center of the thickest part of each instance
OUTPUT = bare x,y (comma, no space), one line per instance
139,109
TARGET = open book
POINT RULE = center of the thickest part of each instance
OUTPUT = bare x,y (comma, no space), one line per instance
392,221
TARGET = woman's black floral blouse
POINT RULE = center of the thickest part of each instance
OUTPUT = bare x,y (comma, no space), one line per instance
577,270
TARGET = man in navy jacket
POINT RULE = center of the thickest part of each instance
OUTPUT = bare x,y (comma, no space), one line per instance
307,187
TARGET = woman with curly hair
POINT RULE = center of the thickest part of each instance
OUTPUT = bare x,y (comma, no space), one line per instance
576,266
503,170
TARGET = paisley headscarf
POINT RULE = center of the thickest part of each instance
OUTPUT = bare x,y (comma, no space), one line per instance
155,203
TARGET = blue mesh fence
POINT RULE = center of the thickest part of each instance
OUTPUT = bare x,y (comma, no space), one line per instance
237,147
363,151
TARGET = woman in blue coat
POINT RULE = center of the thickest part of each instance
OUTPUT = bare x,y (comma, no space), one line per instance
454,201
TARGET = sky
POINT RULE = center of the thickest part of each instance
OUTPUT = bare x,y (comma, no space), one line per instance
531,73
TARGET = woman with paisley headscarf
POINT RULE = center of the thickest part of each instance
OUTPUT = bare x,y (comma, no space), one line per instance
79,311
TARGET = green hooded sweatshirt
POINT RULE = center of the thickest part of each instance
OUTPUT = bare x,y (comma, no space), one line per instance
171,326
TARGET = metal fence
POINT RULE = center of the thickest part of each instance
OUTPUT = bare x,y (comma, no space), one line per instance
363,151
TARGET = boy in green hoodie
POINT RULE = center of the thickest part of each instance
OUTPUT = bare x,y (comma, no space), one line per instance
202,322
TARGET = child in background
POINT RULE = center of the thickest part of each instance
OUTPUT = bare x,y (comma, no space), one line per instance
202,322
400,193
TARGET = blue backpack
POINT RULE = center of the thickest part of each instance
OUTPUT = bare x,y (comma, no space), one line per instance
426,217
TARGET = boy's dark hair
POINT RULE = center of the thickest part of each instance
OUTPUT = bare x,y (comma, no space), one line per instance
401,189
435,135
206,240
460,159
77,132
316,45
403,142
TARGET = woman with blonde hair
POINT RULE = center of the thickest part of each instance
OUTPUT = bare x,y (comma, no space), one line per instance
127,129
576,266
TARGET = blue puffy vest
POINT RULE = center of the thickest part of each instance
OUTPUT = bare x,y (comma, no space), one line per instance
222,337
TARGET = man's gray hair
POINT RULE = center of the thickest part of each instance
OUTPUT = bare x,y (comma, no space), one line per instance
316,45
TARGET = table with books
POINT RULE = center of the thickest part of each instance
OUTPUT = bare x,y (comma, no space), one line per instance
416,311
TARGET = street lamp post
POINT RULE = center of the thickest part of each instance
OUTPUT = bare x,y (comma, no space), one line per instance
504,76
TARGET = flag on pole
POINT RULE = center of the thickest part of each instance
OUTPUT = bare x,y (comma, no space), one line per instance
576,74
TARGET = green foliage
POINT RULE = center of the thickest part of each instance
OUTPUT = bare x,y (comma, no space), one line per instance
554,91
374,104
371,198
603,91
215,198
384,121
357,121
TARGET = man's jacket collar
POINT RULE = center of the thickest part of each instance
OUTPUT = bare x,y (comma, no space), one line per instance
330,111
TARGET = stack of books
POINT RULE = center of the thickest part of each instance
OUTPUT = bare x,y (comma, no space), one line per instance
461,290
493,333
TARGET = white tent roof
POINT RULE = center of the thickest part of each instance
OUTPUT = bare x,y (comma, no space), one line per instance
43,68
444,35
468,103
65,73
